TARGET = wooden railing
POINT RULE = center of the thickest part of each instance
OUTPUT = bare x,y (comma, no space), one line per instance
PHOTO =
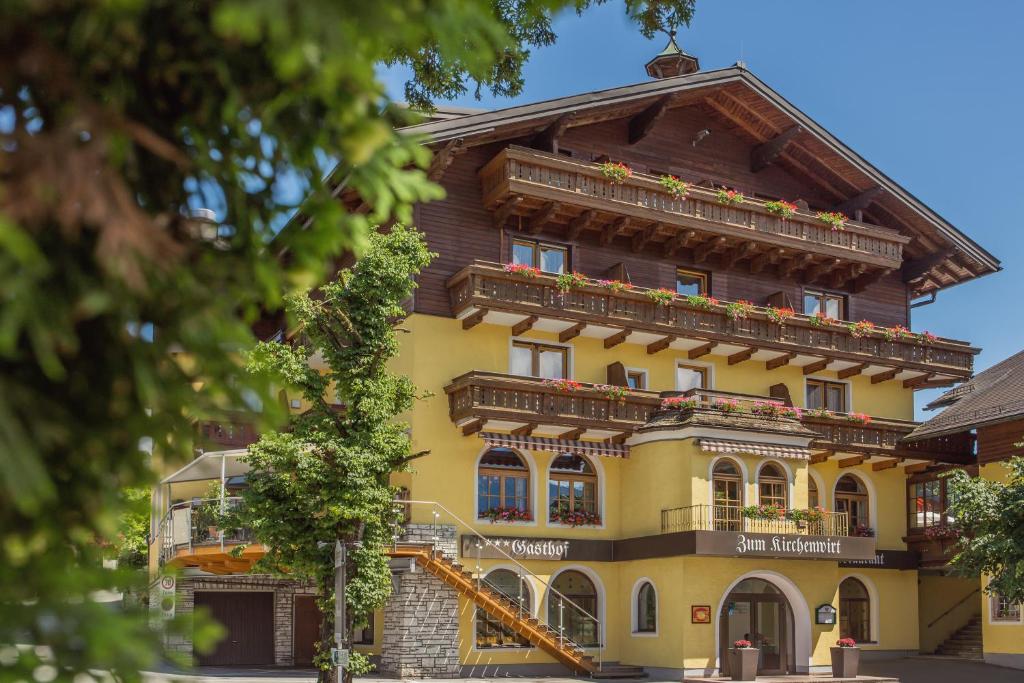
730,518
223,434
487,286
521,171
883,434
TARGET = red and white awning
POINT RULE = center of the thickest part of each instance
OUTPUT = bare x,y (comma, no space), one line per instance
766,450
540,443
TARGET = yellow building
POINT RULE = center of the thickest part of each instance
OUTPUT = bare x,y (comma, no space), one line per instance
665,416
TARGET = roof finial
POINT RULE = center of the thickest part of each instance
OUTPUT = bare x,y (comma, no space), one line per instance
672,61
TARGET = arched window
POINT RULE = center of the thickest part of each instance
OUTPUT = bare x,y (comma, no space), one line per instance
728,496
852,498
572,607
854,611
572,491
646,608
771,485
490,632
503,486
812,493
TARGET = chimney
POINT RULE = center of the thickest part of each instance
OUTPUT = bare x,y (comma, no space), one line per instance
672,61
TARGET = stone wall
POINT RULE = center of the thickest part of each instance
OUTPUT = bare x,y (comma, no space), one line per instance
443,536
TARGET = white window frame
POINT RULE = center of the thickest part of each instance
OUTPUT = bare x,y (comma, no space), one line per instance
634,610
995,621
646,375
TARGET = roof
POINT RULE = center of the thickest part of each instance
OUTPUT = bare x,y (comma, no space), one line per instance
995,395
758,113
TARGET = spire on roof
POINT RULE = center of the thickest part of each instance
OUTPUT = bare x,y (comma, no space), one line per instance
672,61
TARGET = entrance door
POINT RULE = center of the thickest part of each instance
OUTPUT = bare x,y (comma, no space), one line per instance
306,632
757,611
248,619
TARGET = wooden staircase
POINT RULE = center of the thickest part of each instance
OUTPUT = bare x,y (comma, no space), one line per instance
965,643
505,610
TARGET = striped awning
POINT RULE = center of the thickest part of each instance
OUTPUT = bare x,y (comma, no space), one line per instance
540,443
766,450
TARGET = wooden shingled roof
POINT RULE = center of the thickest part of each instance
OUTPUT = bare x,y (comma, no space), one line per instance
939,255
995,395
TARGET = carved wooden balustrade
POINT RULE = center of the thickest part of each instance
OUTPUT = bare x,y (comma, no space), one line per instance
487,287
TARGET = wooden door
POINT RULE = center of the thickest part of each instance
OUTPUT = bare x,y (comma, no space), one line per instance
248,621
307,630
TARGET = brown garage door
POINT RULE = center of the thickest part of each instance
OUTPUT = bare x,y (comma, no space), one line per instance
248,619
307,629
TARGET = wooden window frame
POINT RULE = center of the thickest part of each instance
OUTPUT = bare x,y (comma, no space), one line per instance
704,276
639,373
536,348
823,295
999,616
867,636
912,525
502,474
773,481
825,384
487,627
865,497
812,483
537,245
574,477
728,523
703,370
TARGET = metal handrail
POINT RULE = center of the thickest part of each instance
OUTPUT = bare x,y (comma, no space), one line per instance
165,531
704,517
562,597
954,606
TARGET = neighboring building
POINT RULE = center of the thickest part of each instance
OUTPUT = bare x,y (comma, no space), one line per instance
990,407
624,526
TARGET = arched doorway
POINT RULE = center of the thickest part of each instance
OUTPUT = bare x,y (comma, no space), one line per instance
574,607
756,610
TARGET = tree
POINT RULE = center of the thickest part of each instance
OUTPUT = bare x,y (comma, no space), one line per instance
116,119
990,518
328,477
130,547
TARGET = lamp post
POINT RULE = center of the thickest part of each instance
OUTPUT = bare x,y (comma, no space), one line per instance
339,655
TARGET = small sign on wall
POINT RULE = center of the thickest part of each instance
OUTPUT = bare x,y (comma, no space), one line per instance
825,614
700,614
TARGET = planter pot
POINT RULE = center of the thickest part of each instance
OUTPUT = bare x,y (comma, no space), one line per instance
743,663
845,662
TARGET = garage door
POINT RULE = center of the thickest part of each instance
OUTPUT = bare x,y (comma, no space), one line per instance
307,629
248,619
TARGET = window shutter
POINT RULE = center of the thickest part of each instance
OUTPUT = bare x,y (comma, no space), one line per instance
617,374
780,300
780,392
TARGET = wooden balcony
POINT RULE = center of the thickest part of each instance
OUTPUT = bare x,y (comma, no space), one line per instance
221,435
490,401
484,292
555,190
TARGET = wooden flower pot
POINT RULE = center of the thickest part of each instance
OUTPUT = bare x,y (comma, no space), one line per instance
845,662
743,663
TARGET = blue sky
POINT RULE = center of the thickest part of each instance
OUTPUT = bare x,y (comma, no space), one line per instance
929,91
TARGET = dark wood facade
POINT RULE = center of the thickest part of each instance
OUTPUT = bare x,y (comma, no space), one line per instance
998,441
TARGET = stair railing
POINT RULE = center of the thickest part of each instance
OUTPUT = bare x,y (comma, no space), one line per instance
563,600
953,607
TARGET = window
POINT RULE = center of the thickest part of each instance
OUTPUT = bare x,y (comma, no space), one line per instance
364,636
812,493
771,486
854,611
636,379
572,607
490,632
531,359
572,487
503,484
828,395
691,282
691,377
646,609
832,305
550,258
1003,609
852,498
926,504
728,496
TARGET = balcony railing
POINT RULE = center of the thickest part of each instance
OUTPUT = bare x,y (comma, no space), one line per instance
199,523
487,287
518,171
225,434
730,518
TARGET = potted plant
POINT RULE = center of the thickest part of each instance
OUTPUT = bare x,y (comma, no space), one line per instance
613,391
702,301
674,186
780,315
679,403
821,319
861,329
780,208
845,658
522,270
743,661
567,281
615,285
662,297
617,172
835,219
729,197
563,385
739,309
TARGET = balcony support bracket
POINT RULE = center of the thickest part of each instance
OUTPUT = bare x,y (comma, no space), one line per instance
643,123
768,152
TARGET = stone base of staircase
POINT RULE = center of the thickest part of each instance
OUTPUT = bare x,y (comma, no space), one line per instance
965,643
619,672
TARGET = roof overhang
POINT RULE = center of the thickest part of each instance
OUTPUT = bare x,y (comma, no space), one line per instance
211,465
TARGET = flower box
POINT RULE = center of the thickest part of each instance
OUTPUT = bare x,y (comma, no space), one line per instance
845,659
743,663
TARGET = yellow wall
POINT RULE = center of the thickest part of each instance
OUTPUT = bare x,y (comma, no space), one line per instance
999,637
940,594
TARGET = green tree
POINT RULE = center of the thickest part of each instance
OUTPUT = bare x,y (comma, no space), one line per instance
118,117
328,477
130,547
990,517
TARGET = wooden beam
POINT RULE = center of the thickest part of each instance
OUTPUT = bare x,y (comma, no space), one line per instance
474,319
613,229
869,278
444,158
916,468
642,237
547,139
779,361
524,325
884,464
660,345
919,381
818,458
642,124
884,376
572,332
701,350
758,263
816,366
918,268
683,239
768,152
615,339
472,427
525,430
572,434
740,252
852,371
701,253
741,356
618,438
798,262
859,202
821,269
852,462
542,216
506,210
581,223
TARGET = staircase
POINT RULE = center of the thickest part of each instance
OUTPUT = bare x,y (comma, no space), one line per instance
507,612
965,643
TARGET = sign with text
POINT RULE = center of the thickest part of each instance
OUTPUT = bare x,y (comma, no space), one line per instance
493,547
791,546
886,559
